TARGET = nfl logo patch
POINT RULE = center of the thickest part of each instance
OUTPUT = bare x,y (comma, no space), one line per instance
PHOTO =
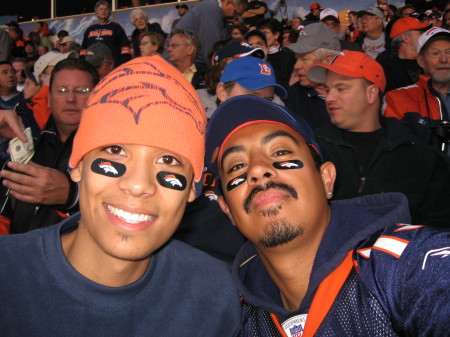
296,331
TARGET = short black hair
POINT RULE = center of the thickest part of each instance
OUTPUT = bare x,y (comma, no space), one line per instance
5,62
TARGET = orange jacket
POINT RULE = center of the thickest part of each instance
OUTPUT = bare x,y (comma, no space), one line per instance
413,98
41,110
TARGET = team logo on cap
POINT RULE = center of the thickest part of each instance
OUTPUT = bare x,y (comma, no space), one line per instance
171,180
288,164
265,69
432,31
147,88
108,168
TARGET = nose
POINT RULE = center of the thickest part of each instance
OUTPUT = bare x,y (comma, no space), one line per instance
330,97
260,170
139,179
298,64
443,58
70,96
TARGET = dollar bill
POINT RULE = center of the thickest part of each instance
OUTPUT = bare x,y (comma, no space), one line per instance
22,152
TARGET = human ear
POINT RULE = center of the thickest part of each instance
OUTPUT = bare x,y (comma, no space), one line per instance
221,92
192,192
328,175
420,61
75,174
372,93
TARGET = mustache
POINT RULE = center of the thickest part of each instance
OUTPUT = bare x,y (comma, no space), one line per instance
271,184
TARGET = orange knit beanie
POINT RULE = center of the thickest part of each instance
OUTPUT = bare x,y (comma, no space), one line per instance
145,101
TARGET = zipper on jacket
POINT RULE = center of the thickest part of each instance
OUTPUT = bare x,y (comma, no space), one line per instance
361,186
36,209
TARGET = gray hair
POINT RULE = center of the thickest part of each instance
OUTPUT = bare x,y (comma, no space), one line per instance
397,41
102,2
138,12
191,38
322,53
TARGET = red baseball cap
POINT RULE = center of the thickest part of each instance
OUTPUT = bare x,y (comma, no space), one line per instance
315,6
404,24
351,64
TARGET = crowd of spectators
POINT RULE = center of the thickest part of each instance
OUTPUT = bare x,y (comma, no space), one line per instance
208,36
389,133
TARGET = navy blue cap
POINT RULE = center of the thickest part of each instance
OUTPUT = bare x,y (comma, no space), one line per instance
238,48
231,115
253,74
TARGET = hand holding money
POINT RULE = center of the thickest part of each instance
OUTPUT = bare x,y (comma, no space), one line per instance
22,152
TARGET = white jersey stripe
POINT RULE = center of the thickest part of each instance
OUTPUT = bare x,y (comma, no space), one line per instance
391,245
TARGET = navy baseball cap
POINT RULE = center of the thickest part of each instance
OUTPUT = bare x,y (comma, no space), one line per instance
252,73
240,111
238,48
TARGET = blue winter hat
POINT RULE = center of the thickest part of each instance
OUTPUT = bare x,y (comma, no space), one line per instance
240,111
253,74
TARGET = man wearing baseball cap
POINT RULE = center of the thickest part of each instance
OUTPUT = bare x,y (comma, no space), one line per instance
312,267
368,151
425,106
111,269
331,18
375,40
249,76
316,44
314,13
400,62
66,42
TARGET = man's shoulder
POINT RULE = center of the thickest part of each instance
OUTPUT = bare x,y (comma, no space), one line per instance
189,256
24,247
402,245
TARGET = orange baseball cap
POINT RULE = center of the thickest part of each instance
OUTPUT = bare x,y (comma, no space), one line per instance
145,101
315,6
404,24
351,64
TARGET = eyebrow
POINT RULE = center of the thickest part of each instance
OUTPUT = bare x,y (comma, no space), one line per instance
277,134
264,141
231,150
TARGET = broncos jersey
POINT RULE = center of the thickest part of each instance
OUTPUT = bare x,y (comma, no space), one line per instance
394,281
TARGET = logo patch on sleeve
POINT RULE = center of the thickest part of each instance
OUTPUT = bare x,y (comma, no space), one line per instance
288,164
171,180
235,182
108,168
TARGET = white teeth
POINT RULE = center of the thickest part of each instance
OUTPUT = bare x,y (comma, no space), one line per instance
132,218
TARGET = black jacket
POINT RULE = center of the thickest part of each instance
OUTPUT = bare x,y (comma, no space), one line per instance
401,163
49,152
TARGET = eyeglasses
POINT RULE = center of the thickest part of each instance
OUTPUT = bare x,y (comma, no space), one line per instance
144,43
81,92
367,17
176,45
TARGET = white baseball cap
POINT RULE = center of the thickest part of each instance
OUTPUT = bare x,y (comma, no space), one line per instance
423,39
50,59
329,12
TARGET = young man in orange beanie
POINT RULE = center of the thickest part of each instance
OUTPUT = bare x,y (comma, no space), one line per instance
111,270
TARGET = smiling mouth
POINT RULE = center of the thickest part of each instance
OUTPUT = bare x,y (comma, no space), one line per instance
131,218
